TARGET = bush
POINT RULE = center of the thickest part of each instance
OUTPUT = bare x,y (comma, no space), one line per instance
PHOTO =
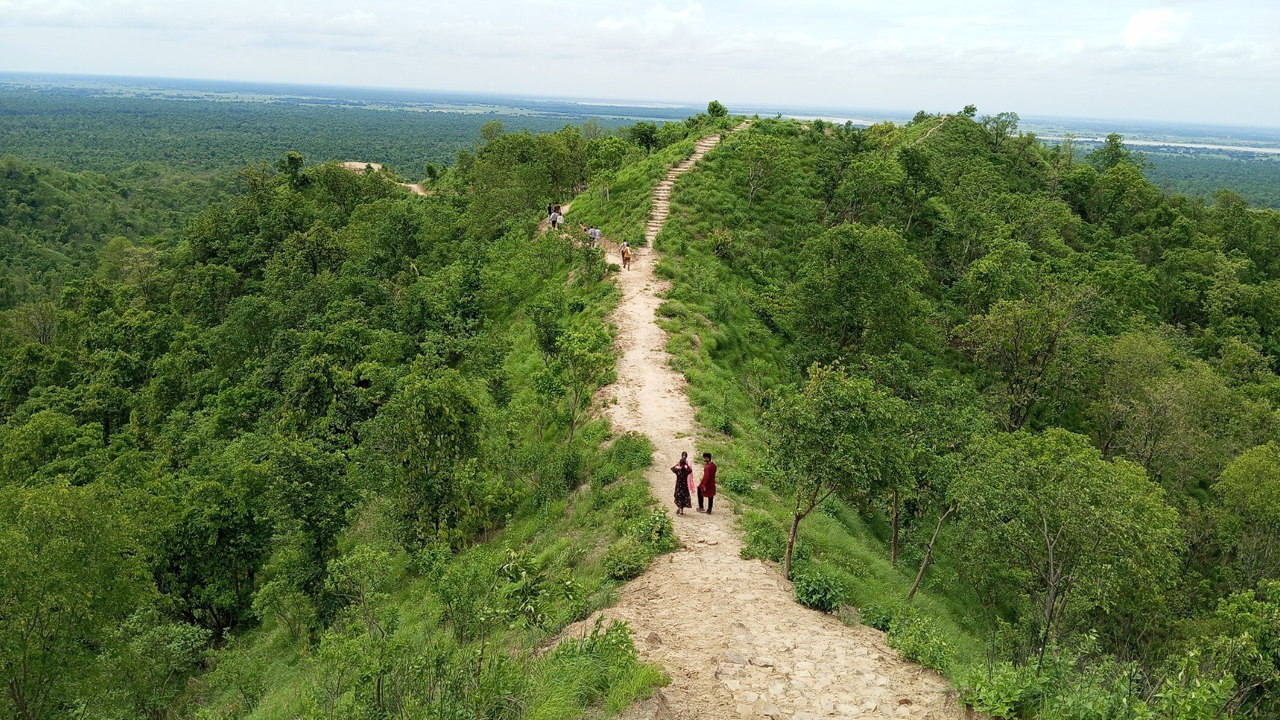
819,587
634,500
1004,691
880,617
654,530
737,484
763,537
605,475
627,558
632,451
919,640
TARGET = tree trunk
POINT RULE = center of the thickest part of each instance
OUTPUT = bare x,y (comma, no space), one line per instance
791,544
893,544
19,698
928,554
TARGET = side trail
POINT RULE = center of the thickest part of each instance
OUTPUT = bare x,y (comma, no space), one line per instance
726,629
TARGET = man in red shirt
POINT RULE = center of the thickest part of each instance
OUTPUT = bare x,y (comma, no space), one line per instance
707,488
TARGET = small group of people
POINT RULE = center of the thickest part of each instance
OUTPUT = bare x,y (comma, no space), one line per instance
706,489
554,216
592,233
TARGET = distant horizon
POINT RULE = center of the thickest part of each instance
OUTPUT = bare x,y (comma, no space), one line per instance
624,102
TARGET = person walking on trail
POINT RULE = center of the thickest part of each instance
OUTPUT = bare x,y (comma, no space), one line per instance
707,488
626,255
683,471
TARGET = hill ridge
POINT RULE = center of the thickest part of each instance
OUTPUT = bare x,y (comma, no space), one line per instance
727,629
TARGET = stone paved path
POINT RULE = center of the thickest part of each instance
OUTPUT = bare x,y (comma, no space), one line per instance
727,630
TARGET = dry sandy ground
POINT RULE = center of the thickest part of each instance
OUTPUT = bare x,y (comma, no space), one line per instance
360,168
727,630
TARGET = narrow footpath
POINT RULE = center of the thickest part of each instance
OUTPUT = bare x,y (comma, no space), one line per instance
727,630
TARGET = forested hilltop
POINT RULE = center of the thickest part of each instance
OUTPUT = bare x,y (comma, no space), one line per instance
1037,394
321,447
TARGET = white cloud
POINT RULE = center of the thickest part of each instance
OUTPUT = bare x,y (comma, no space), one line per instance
1162,26
657,20
852,53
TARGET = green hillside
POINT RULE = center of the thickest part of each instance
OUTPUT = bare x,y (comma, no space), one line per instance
317,449
1063,375
306,444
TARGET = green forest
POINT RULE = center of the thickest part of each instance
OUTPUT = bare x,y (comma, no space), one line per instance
79,131
296,442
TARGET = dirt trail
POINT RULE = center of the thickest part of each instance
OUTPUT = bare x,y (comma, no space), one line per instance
932,130
359,168
726,629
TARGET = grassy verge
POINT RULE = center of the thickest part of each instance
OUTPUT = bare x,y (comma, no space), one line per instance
623,211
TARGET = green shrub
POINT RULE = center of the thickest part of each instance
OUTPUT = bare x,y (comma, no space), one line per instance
627,558
631,451
654,530
918,639
605,475
880,617
737,484
763,537
1003,691
819,587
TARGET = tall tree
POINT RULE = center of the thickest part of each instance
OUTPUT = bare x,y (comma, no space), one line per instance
834,435
1020,342
71,571
857,292
1045,517
1248,494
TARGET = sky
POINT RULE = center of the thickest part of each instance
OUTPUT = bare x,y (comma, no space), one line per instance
1172,60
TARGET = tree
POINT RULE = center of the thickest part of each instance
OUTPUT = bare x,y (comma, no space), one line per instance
491,130
1113,152
764,157
1046,517
1000,128
316,250
835,435
857,291
585,354
427,430
716,110
1019,341
605,156
1248,493
308,497
291,166
71,571
1245,642
644,134
210,557
150,660
867,188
